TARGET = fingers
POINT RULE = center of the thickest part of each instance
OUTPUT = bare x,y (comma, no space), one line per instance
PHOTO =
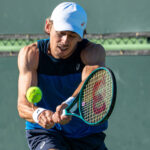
58,117
45,119
62,119
65,119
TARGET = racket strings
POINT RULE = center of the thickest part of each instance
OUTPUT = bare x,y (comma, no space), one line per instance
96,98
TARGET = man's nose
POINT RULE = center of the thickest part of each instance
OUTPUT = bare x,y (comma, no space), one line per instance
65,39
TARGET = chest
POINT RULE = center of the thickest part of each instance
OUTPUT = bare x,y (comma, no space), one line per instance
53,67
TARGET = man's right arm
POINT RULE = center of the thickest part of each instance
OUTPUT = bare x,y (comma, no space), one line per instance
28,60
27,64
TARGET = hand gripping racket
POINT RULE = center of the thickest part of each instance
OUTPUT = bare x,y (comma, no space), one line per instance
96,98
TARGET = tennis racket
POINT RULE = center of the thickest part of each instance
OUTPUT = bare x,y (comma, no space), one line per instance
96,98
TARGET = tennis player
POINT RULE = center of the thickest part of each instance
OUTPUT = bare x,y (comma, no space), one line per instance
58,65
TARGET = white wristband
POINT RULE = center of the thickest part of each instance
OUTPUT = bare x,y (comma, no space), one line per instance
69,100
36,113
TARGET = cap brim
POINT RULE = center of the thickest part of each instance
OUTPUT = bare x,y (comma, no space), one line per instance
64,26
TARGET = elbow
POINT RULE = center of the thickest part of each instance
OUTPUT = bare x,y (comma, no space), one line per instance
20,113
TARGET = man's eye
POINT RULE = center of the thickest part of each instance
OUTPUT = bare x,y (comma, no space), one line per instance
73,36
59,34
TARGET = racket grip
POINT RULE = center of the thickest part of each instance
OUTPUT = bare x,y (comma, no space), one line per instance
69,101
72,106
63,112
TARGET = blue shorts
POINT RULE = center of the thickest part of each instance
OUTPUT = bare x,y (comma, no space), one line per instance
39,139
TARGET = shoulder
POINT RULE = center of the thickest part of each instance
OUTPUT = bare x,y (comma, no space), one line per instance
28,57
93,54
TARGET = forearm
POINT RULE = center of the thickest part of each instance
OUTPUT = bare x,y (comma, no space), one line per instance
26,110
35,114
78,89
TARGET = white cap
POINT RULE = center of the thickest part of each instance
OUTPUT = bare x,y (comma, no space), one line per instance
69,16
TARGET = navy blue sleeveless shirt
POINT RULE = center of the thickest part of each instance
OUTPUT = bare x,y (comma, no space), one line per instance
58,79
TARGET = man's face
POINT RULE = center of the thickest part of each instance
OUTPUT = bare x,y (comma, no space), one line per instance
62,43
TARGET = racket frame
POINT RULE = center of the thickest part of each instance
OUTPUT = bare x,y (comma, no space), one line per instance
79,98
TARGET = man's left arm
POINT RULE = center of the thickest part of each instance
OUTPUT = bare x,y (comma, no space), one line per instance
93,56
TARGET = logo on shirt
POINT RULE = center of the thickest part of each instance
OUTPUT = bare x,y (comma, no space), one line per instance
77,67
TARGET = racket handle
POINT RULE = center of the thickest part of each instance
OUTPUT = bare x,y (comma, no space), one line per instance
69,101
72,106
63,112
71,110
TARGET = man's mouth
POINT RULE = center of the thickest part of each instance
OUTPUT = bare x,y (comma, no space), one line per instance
62,48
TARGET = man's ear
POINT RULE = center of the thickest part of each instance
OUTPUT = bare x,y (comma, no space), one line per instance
48,25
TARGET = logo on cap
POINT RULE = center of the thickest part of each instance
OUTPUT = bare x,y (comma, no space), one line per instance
82,24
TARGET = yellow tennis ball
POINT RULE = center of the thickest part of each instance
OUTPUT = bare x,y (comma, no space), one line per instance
34,94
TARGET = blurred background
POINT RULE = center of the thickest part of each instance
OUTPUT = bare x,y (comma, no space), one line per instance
122,27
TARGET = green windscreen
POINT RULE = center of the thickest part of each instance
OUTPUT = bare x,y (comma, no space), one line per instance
104,16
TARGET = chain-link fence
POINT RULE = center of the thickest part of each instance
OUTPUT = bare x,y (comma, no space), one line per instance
114,44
